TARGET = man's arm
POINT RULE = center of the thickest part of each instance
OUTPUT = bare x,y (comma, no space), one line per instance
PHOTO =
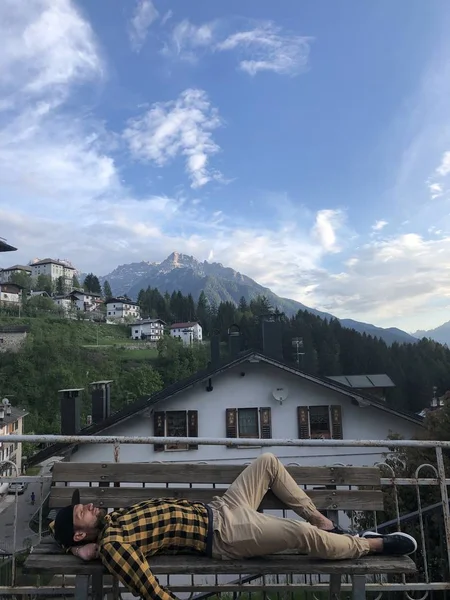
127,562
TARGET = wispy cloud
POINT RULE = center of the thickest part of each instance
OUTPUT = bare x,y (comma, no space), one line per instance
268,48
263,47
436,190
325,229
444,168
144,15
379,225
181,127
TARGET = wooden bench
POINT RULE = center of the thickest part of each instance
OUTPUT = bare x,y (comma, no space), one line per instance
115,485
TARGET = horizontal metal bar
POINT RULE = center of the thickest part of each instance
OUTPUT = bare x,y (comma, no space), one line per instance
314,587
114,439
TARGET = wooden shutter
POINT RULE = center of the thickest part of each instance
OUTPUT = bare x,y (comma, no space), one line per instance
265,417
192,427
336,422
303,422
231,423
159,419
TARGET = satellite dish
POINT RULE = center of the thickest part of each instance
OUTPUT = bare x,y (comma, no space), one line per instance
280,394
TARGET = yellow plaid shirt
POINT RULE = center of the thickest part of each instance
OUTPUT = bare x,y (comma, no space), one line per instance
131,535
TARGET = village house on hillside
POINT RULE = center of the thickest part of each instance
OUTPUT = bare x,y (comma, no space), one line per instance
6,274
187,332
252,395
148,329
54,269
10,293
11,422
121,308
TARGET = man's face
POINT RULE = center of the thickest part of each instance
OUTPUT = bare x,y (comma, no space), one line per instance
86,520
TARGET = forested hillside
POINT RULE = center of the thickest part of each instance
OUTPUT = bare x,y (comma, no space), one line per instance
61,353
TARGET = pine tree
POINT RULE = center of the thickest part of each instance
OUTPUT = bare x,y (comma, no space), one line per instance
243,305
107,292
60,285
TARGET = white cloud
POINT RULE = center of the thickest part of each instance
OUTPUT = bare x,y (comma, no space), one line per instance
144,15
444,168
187,39
379,225
264,47
177,128
325,228
268,48
436,190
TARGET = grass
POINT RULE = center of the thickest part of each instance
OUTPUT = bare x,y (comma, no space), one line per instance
142,354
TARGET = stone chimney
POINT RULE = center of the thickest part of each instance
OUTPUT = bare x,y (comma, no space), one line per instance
234,341
272,337
215,350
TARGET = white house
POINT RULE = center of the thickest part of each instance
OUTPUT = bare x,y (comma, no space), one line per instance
121,308
252,396
67,302
187,332
55,269
6,274
150,329
86,301
10,293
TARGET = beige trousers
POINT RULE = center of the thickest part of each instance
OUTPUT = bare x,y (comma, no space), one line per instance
242,532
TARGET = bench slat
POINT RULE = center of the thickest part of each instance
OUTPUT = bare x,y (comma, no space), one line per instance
210,473
275,564
112,497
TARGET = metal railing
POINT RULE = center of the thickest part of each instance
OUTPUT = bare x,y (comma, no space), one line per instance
416,501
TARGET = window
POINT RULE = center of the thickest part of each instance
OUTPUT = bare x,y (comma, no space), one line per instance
249,423
175,423
320,422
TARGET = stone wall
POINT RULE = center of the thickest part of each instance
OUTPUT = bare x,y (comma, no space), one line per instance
11,341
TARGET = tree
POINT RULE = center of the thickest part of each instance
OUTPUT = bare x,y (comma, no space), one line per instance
243,305
21,278
107,292
75,282
91,284
44,283
60,285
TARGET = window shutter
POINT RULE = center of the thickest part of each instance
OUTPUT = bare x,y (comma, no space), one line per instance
159,419
231,424
192,428
265,416
303,422
336,422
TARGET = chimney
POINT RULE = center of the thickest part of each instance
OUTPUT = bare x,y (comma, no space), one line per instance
2,412
272,338
70,403
8,410
234,340
101,400
215,350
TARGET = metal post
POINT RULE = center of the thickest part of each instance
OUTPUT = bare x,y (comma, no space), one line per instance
444,496
81,587
359,587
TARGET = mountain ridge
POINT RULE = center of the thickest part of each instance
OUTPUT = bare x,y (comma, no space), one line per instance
220,284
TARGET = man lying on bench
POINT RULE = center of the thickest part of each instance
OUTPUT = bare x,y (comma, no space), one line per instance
228,528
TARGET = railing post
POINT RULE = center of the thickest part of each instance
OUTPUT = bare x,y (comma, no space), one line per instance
444,496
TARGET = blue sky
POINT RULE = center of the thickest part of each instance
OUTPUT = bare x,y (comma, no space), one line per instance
303,143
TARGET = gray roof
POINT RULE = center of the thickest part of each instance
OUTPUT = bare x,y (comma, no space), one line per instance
364,381
4,247
14,328
46,261
18,268
16,414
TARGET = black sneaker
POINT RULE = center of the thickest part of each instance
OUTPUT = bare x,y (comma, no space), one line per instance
397,543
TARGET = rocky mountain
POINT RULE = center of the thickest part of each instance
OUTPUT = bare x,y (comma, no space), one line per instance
439,334
220,284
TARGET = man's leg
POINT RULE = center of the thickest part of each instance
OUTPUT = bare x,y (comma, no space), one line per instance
267,472
245,533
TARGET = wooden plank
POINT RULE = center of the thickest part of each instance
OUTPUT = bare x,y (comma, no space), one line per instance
180,564
119,497
194,473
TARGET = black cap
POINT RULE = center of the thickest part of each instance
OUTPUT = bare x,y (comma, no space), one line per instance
63,529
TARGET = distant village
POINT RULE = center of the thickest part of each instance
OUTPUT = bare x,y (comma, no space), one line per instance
75,301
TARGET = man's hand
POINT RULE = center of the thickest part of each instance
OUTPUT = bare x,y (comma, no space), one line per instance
86,552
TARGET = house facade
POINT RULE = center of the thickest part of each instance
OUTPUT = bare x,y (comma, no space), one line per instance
188,333
10,293
121,309
67,302
7,274
11,423
86,301
55,269
149,329
260,398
